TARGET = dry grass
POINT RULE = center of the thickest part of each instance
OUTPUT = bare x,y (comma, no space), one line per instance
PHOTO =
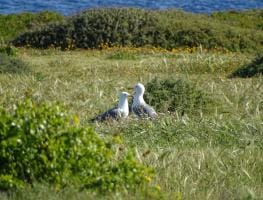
218,155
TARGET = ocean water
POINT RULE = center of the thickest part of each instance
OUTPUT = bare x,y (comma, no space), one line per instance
68,7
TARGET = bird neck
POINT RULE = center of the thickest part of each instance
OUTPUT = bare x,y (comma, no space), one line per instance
123,104
138,99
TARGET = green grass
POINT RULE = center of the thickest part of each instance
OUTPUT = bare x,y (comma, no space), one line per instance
9,64
214,155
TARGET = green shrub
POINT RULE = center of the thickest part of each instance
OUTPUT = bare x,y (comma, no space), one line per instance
12,25
251,19
176,95
95,27
10,64
42,143
252,69
9,182
8,50
54,35
115,27
137,27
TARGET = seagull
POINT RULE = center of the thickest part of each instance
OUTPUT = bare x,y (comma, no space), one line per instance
121,111
139,107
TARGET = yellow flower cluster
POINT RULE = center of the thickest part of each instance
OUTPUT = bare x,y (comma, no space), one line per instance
153,49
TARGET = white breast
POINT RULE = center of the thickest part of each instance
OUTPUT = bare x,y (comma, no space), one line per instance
124,107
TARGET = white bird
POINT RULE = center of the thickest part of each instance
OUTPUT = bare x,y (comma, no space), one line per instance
139,107
121,111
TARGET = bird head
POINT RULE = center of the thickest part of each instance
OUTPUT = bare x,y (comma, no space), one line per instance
124,95
139,89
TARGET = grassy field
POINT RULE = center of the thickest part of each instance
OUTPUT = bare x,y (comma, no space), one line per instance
215,155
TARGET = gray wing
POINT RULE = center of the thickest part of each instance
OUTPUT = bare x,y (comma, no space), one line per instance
144,111
113,113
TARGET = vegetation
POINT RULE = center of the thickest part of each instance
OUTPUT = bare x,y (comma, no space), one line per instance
13,25
205,144
8,50
12,65
39,144
136,27
214,155
251,19
251,69
175,95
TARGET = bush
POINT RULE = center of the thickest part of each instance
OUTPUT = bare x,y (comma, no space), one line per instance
95,27
252,69
42,143
10,64
176,95
14,24
137,27
54,35
8,50
251,19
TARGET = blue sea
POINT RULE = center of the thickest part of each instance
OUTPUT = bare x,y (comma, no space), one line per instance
69,7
